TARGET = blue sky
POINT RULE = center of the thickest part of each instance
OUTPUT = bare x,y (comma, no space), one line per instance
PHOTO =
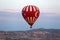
12,20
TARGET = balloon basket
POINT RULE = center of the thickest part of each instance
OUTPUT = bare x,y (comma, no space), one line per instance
30,26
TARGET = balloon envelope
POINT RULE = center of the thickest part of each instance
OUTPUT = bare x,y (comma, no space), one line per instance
30,13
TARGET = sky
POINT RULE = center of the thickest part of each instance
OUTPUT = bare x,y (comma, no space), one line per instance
12,20
45,6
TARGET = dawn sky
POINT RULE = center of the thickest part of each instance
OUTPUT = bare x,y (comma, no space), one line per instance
12,20
46,6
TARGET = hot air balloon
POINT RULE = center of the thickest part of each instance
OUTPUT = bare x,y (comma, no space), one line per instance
30,13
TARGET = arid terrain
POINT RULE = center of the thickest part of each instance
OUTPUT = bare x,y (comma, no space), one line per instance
35,34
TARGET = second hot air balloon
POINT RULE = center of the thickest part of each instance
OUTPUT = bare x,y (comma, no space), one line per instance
30,13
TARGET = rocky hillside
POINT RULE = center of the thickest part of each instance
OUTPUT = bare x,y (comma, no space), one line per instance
36,34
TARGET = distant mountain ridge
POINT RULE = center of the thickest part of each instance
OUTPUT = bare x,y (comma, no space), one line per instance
48,30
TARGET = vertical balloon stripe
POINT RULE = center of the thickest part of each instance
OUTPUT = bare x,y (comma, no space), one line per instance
36,14
27,8
31,20
30,8
34,8
28,19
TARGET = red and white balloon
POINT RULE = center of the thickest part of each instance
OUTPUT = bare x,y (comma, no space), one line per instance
30,13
